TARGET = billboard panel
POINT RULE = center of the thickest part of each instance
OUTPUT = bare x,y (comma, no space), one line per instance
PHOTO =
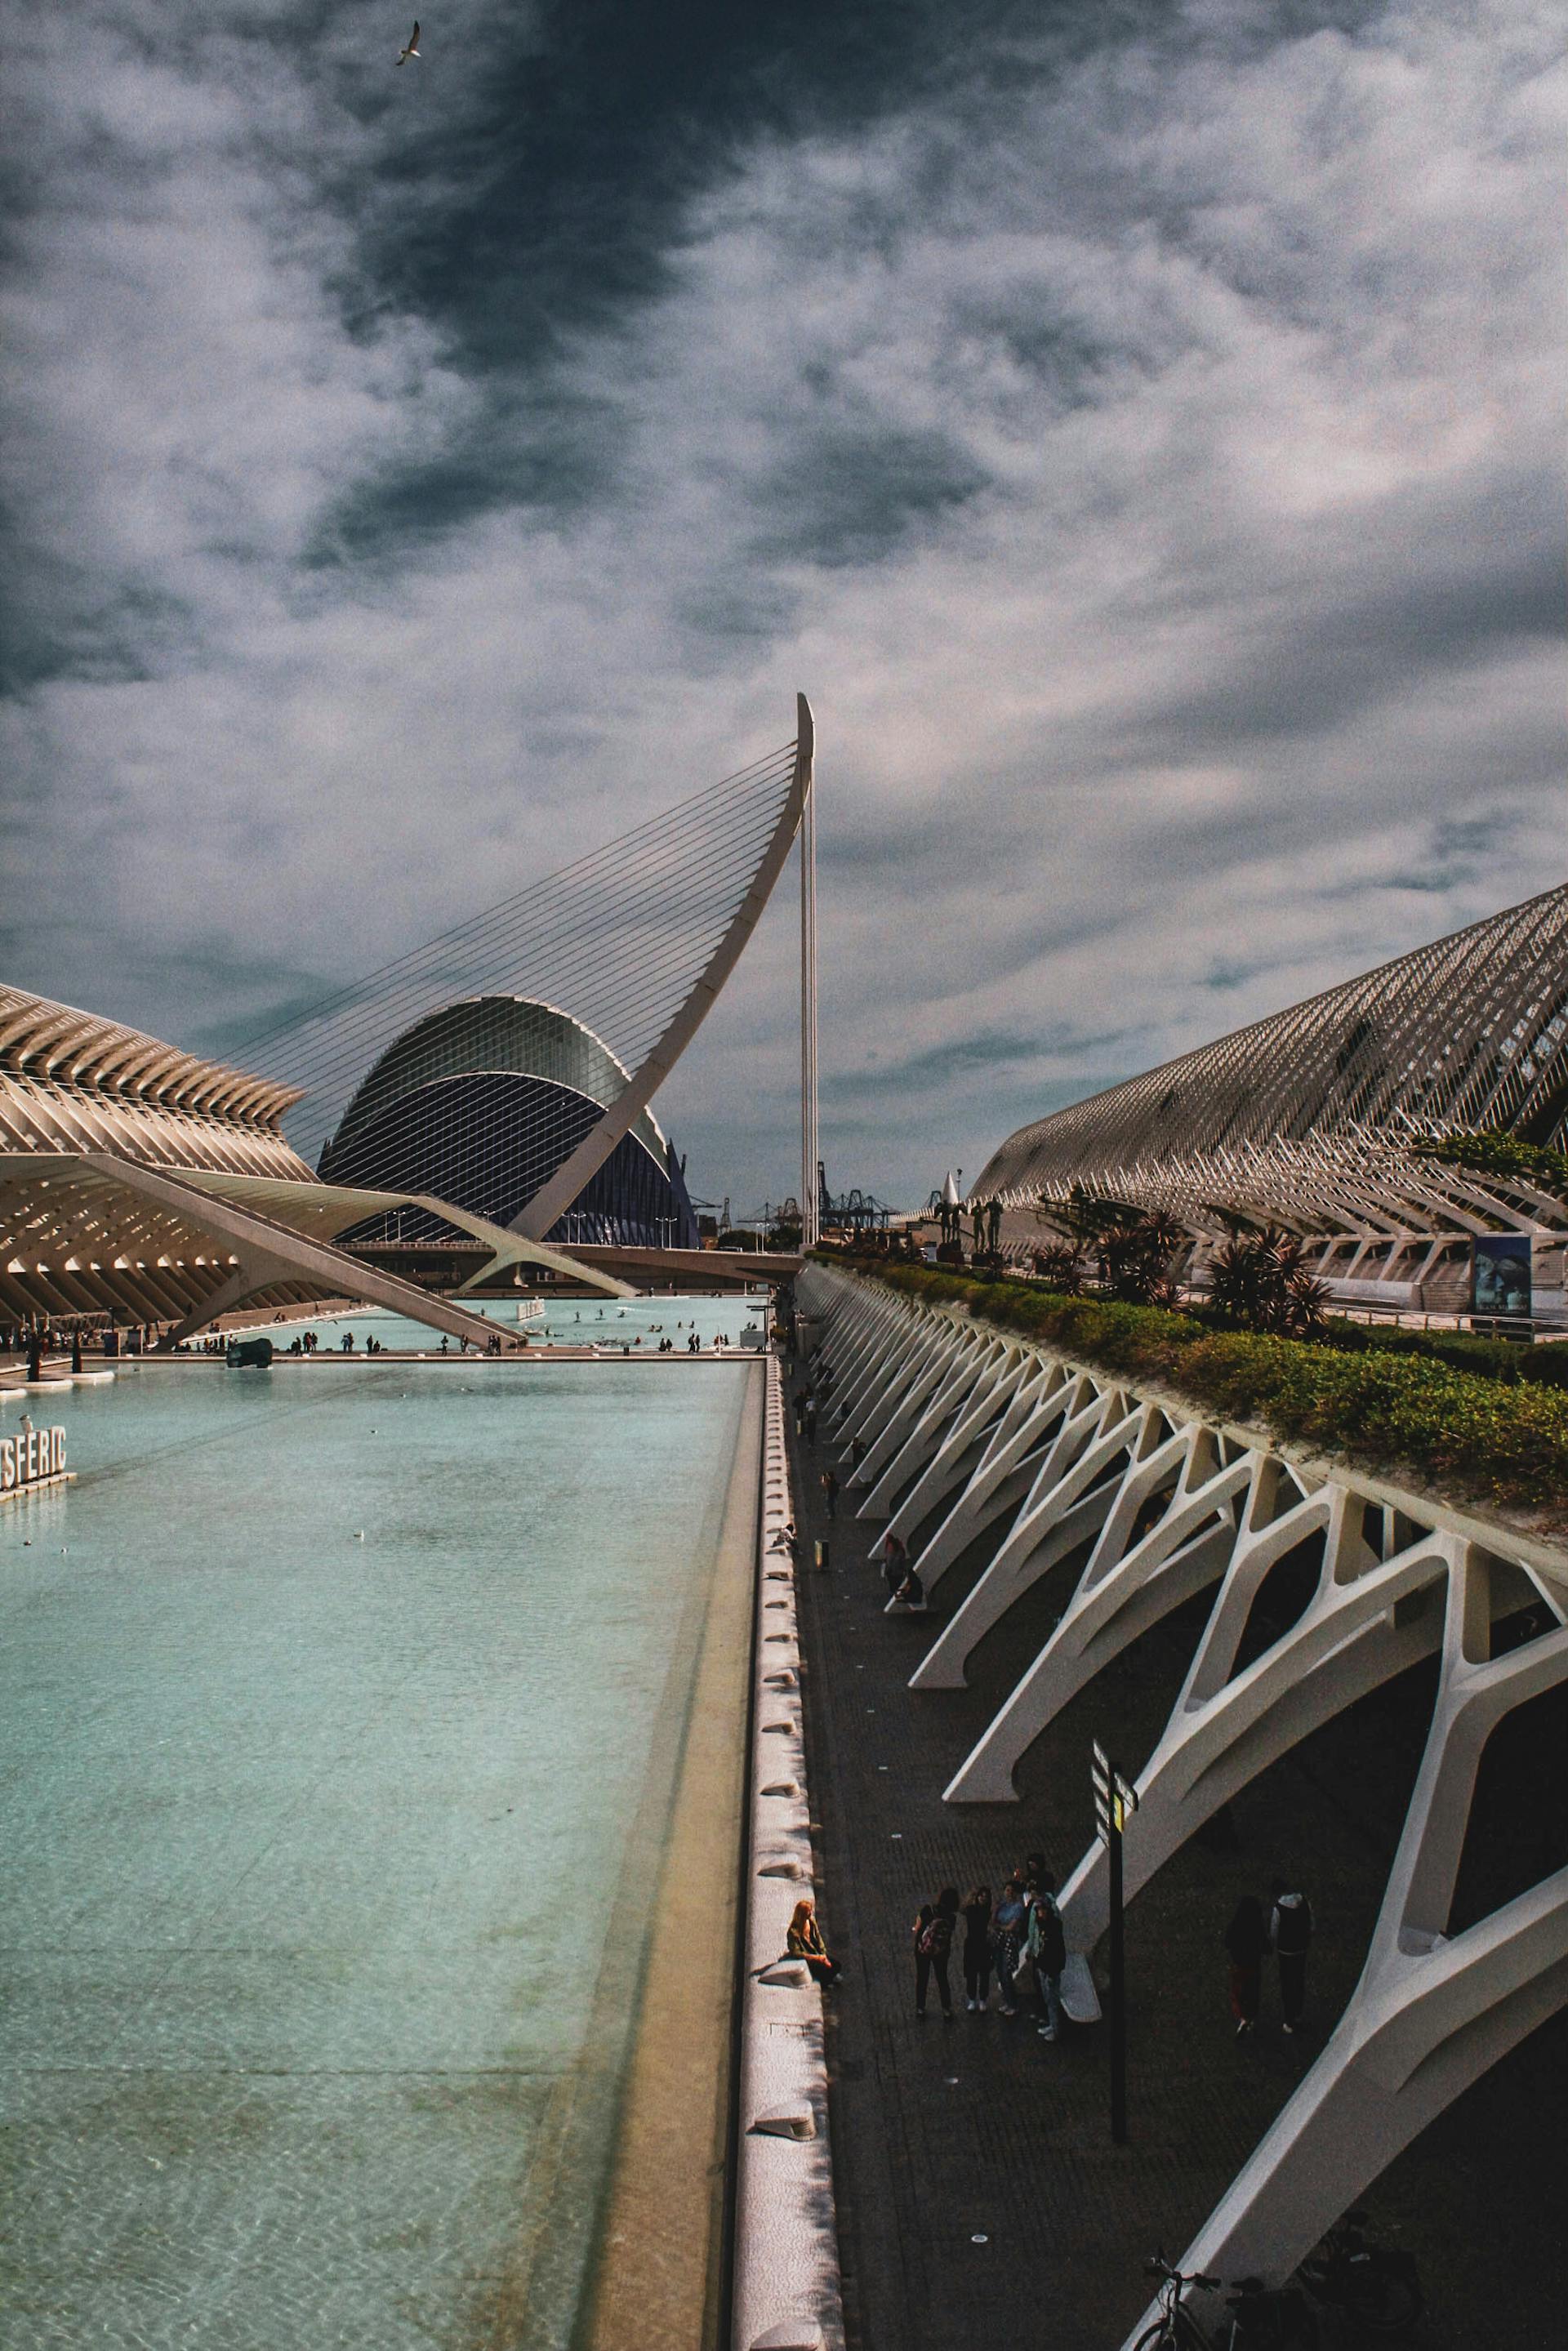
1500,1281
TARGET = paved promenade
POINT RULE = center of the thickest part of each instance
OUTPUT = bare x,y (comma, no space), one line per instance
981,2200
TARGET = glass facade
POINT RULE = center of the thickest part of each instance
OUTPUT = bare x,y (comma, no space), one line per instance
480,1103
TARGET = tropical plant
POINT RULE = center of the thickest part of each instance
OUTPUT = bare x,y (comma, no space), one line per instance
1057,1266
1263,1280
1134,1255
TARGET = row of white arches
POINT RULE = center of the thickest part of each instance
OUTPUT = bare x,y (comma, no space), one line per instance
968,1432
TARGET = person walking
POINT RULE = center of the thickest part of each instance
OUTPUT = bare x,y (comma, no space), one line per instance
808,1421
1291,1932
976,1914
804,1941
830,1491
1047,1948
1008,1925
1247,1942
933,1937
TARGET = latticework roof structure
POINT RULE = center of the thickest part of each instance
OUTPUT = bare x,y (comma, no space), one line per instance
1309,1116
72,1080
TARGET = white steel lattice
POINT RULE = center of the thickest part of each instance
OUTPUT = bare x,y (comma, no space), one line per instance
1306,1116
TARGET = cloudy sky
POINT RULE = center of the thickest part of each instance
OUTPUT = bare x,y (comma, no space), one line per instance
1135,424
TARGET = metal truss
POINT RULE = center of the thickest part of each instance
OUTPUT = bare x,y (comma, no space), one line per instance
1306,1118
1149,1502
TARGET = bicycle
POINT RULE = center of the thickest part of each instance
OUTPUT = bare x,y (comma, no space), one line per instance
1260,2318
1176,2329
1375,2287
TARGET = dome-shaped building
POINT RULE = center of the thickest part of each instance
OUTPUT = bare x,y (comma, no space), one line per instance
481,1101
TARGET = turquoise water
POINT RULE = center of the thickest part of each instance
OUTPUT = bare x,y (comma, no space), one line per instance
325,1862
572,1322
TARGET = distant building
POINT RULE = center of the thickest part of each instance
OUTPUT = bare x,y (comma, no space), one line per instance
141,1185
481,1101
72,1081
1307,1119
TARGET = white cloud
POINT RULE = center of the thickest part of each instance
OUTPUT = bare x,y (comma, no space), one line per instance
1144,465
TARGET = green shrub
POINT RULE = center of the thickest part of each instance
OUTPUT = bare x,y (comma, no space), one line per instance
1490,1153
1485,1434
1486,1359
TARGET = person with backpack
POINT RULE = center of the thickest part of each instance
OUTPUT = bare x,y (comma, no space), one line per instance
911,1592
933,1937
1291,1932
1046,1950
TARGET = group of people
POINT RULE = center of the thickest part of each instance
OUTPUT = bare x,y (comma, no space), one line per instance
309,1342
1286,1933
1018,1939
804,1407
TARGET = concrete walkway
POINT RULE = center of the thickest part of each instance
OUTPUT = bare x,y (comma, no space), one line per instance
980,2198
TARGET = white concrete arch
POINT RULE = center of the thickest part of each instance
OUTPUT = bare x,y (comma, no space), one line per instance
1058,1454
1004,1472
939,1363
1430,2013
975,1373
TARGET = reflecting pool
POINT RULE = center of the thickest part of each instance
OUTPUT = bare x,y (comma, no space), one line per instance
338,1724
604,1322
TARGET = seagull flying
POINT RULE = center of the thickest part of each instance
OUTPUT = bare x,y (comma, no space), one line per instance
413,48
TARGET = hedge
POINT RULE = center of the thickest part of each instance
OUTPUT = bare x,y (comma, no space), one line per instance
1478,1438
1486,1359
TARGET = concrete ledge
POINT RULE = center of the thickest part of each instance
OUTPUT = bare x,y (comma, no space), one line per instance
787,2295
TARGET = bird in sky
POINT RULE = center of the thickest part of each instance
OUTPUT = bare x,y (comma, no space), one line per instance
413,48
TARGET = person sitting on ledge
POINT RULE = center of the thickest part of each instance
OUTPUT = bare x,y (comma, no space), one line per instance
910,1594
804,1941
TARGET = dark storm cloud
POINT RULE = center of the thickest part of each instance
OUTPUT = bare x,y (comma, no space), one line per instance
1137,427
1494,581
977,1059
547,205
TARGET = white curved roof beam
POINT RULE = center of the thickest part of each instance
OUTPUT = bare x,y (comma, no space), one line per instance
553,1199
1431,2012
163,1222
329,1209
